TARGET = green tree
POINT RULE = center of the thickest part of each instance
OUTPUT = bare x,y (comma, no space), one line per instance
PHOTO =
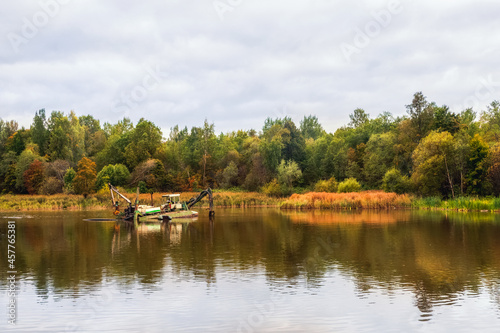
467,120
145,140
288,173
477,167
335,161
152,172
229,175
421,115
311,128
281,139
117,175
433,160
378,158
445,120
7,129
315,164
39,131
494,169
17,142
7,172
358,118
406,143
490,122
27,157
462,151
69,177
94,136
77,138
355,161
271,152
59,146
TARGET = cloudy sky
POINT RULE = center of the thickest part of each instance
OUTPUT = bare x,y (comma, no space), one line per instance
237,62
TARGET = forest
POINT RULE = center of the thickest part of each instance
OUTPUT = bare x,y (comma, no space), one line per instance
430,151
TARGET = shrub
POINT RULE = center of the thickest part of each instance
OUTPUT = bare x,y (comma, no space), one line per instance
68,180
394,181
52,186
272,188
329,185
349,185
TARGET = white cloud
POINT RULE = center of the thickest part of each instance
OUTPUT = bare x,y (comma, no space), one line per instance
266,58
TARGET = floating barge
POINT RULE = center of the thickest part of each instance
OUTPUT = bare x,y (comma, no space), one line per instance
171,208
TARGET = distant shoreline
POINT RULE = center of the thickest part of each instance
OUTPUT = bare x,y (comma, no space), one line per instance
376,200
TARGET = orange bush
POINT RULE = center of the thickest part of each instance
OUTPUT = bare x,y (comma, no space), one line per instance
367,199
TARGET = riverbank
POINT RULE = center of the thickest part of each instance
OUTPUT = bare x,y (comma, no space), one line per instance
102,201
307,201
465,204
382,200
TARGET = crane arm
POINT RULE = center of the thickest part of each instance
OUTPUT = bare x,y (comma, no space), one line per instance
195,200
114,189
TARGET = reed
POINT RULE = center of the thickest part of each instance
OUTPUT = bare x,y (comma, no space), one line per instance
102,200
355,200
464,204
221,199
426,203
311,200
53,202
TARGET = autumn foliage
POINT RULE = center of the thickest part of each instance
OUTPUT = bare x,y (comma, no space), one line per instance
34,177
367,199
85,177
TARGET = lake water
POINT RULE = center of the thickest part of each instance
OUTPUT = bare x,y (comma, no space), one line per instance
255,270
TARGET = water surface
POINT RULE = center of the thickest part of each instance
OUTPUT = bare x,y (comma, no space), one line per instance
256,270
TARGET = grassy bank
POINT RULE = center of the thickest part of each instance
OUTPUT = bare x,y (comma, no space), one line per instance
382,200
53,202
459,204
102,201
311,200
365,200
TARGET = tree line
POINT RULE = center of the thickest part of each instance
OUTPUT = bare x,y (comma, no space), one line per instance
430,151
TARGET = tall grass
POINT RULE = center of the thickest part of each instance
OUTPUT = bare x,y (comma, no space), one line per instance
367,200
102,200
53,202
311,200
459,204
427,202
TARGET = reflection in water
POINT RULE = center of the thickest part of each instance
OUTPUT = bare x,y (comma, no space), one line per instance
441,259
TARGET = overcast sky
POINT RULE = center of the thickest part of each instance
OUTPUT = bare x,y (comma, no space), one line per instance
237,62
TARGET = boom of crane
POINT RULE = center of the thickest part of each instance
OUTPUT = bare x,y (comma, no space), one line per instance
194,200
129,211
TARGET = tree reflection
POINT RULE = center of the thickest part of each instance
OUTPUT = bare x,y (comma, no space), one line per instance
435,255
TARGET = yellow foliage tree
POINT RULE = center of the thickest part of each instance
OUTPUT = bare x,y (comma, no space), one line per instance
85,178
